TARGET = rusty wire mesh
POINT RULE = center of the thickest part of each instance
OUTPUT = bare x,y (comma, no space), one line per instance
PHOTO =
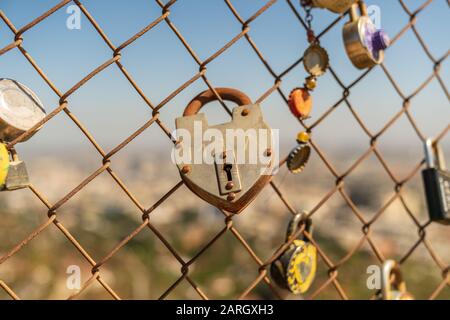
17,36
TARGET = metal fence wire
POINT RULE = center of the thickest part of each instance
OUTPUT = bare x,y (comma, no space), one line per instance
333,267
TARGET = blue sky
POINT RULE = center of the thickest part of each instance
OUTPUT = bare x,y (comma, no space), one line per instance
110,108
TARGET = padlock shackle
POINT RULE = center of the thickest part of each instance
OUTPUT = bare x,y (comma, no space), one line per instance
14,155
434,156
440,158
429,154
297,222
391,269
208,96
363,8
354,10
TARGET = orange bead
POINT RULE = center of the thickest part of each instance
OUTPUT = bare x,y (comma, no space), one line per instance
300,103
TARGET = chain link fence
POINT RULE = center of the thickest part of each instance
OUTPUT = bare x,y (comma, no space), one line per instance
333,266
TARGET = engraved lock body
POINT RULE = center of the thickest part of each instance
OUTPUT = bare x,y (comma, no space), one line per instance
393,287
235,175
296,268
364,43
336,6
436,180
14,173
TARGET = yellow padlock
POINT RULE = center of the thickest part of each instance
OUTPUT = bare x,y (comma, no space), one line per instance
296,268
4,164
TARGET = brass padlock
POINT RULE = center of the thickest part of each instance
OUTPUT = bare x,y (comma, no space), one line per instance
337,6
296,268
234,175
393,287
364,43
13,172
20,110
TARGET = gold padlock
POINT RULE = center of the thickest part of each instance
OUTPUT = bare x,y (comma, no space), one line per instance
13,171
393,287
364,43
337,6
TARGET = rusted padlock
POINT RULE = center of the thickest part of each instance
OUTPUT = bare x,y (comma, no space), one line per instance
234,176
337,6
393,287
364,43
20,110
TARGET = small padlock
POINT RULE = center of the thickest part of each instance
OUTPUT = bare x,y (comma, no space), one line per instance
337,6
16,176
295,269
393,287
436,180
364,43
20,110
228,182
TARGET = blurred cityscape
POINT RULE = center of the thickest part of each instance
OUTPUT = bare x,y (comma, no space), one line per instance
101,215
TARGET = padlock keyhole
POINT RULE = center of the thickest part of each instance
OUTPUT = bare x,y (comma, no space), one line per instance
227,168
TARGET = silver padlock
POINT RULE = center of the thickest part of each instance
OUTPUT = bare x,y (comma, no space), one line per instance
17,175
20,110
436,180
364,43
336,6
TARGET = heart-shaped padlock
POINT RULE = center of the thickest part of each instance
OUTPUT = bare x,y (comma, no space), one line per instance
230,167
